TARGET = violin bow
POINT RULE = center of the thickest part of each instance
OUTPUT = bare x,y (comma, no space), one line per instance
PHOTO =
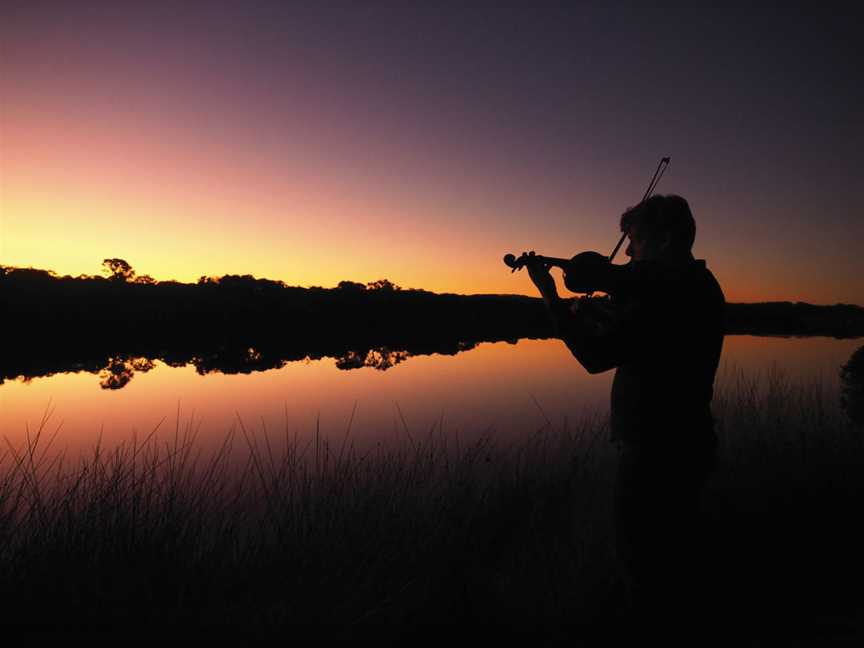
658,173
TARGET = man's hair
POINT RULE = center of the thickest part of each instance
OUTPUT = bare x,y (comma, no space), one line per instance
661,215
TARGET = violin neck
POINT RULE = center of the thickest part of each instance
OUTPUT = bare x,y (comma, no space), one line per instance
554,261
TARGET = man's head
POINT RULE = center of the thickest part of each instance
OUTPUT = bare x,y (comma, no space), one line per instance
660,228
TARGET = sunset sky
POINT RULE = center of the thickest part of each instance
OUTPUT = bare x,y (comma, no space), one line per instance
422,141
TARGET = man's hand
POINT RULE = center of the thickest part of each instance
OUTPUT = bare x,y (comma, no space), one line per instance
587,272
539,273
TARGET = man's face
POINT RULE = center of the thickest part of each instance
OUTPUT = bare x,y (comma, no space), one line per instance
638,248
641,248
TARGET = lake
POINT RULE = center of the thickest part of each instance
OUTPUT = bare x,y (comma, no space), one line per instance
503,389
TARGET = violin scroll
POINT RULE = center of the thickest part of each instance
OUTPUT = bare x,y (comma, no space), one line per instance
517,263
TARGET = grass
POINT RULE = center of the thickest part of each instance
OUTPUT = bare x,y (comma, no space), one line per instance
265,533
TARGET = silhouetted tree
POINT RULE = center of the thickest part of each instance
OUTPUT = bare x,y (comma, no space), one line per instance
383,284
119,269
383,358
31,274
351,286
142,365
351,360
145,279
239,281
120,371
380,358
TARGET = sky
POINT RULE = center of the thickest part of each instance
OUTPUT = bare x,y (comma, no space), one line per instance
420,142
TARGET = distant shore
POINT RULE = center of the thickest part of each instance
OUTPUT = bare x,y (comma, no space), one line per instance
241,324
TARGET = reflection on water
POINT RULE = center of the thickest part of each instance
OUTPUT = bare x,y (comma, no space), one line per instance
495,386
381,359
507,389
119,372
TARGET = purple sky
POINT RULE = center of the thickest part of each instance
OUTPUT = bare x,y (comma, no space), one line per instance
422,143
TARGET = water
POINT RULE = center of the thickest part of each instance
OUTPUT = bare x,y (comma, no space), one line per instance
503,389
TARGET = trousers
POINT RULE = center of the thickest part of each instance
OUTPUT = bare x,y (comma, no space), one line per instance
658,534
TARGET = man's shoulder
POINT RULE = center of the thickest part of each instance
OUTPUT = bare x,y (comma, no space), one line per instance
688,277
706,281
690,299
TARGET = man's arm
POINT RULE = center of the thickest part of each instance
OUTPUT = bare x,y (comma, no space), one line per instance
595,349
593,343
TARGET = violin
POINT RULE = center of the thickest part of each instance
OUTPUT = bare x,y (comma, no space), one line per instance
584,273
589,271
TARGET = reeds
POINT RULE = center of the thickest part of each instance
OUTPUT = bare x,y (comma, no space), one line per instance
265,532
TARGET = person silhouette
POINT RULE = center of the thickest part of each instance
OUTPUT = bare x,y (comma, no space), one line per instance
852,388
661,328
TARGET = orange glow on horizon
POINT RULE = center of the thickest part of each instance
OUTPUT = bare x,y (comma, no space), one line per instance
179,200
